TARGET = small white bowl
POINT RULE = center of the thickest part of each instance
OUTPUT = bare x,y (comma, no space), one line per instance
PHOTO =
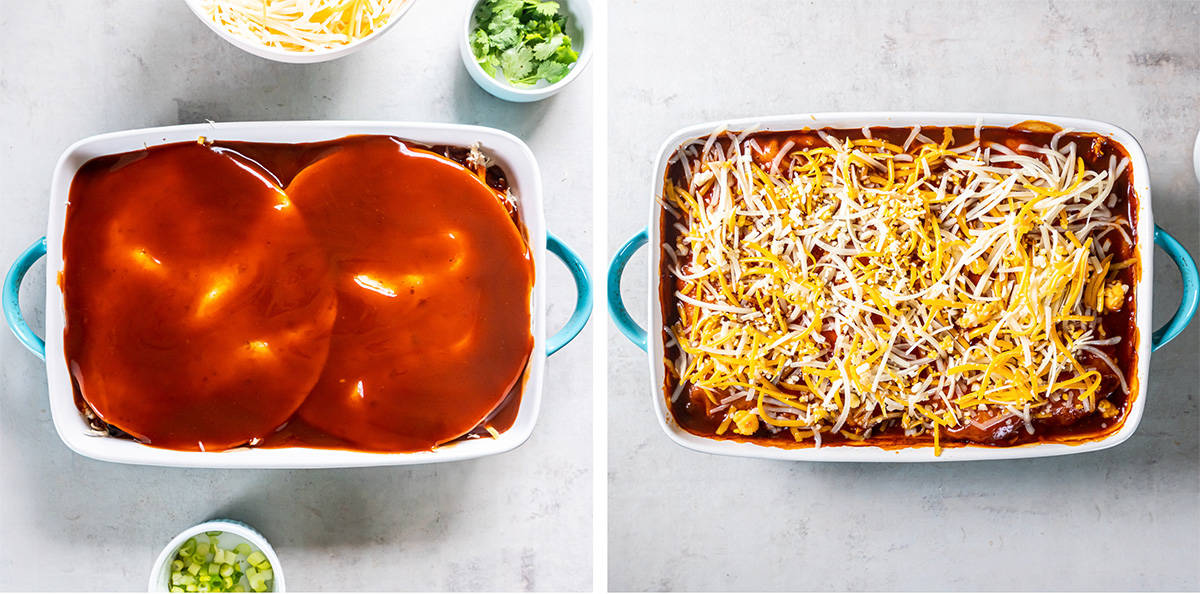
233,533
294,57
579,27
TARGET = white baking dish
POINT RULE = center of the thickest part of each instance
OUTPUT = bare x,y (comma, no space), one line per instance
1147,236
509,153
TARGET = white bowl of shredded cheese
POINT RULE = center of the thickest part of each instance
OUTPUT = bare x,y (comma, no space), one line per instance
300,31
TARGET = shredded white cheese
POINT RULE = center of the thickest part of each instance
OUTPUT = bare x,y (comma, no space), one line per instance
302,25
852,284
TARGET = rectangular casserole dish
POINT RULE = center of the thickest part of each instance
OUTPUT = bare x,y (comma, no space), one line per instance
509,153
1146,232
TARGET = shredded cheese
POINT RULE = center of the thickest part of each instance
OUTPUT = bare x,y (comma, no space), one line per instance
846,287
302,25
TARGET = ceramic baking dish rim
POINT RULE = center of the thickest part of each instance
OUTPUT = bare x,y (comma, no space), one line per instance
1143,293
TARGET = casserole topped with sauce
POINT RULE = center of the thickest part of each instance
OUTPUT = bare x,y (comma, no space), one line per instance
899,287
365,293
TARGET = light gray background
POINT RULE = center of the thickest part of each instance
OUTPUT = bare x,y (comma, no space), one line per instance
522,520
1124,518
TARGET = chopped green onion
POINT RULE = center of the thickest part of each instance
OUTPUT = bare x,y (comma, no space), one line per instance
201,565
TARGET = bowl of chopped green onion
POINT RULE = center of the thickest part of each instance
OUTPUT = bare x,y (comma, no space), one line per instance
217,556
527,50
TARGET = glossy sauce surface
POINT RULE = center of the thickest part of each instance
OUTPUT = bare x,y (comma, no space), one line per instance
433,286
384,295
199,307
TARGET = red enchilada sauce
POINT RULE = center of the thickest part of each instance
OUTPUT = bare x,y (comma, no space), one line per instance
1066,425
379,303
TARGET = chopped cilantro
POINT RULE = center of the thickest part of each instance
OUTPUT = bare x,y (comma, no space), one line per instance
524,39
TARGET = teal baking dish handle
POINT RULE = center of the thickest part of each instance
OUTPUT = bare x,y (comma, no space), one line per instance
583,299
12,304
616,305
12,301
1176,325
1191,288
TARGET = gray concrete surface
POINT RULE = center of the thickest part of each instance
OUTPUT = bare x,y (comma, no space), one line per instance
1125,518
519,521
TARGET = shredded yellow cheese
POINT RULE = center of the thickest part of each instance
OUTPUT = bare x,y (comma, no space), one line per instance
302,25
843,287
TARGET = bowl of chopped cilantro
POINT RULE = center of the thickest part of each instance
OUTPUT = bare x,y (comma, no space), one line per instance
527,50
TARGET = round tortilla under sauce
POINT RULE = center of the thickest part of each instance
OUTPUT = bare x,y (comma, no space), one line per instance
433,280
199,307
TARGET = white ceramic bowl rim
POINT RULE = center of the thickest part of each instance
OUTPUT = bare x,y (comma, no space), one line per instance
1143,291
508,151
294,57
160,573
584,24
1196,157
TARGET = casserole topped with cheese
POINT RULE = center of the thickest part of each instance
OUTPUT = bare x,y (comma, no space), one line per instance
899,286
